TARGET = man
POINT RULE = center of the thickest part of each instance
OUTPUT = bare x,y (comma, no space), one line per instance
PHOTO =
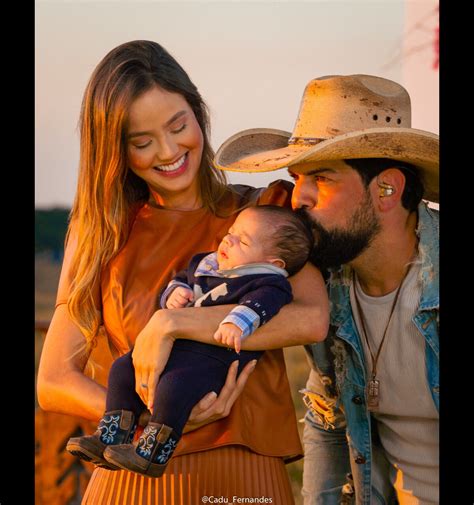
361,171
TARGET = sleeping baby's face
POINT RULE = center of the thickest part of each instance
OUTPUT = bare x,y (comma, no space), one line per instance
247,241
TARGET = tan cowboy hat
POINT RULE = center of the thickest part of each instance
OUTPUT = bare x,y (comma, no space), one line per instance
340,117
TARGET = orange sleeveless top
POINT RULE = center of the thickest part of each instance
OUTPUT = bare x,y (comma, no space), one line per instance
161,243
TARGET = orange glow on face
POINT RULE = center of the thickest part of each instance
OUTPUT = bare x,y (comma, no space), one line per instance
165,145
329,191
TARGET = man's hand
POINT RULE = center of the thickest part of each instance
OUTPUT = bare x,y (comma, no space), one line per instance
213,407
179,298
230,335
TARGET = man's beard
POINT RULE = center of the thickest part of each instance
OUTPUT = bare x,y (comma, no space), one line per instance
336,247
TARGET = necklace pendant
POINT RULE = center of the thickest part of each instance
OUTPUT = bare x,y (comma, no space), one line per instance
373,395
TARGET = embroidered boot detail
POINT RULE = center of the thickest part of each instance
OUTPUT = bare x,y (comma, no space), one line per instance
157,443
116,427
152,453
166,451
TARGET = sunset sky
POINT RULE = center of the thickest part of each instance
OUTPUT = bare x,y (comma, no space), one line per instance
250,60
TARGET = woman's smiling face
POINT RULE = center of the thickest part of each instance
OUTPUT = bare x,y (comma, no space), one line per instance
164,147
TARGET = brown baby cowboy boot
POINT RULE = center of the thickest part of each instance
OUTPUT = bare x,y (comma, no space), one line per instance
116,427
151,454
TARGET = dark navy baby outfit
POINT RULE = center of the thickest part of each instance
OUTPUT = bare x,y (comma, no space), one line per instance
194,368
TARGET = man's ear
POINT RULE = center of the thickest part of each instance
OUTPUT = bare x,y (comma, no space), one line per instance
389,186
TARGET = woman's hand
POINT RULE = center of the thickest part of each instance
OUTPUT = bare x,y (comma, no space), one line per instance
150,355
213,407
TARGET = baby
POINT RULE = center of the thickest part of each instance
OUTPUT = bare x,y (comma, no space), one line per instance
262,248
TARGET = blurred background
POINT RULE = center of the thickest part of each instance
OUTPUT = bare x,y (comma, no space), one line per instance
251,61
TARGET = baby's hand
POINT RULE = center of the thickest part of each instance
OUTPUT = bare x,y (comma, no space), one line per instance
229,334
179,298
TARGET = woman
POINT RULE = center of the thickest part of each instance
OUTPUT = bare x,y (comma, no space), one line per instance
147,200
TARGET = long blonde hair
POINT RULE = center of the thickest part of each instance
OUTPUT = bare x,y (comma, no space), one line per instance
107,191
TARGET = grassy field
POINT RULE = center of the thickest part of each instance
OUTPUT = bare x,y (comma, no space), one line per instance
46,281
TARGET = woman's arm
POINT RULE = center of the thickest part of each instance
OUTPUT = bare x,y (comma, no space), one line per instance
62,386
304,321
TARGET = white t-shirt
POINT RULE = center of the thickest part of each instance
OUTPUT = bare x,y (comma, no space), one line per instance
407,418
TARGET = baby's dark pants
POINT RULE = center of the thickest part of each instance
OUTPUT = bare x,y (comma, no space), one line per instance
193,370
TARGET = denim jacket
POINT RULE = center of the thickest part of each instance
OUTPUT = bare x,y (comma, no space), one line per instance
339,362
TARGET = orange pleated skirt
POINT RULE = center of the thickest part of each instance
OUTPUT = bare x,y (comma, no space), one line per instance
222,472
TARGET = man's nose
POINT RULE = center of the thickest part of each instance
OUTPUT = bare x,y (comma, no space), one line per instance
304,196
